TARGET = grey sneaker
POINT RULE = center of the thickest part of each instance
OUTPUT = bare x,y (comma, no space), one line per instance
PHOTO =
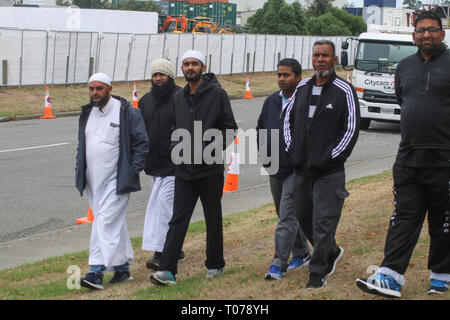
213,273
163,278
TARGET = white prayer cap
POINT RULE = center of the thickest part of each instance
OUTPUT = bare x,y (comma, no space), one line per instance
100,77
194,54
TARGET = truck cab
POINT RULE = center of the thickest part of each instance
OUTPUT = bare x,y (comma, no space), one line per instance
378,52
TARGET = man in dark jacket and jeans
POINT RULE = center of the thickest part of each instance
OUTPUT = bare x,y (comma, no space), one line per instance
156,107
201,108
112,144
421,170
320,134
289,236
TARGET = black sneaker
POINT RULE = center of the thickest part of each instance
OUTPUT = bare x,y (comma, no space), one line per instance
181,257
333,259
316,281
153,263
92,281
120,276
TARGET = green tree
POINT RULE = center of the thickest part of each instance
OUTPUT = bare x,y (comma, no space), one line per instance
134,5
91,4
412,4
277,17
318,7
355,24
327,25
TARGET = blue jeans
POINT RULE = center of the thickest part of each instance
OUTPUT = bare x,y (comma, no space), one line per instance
99,269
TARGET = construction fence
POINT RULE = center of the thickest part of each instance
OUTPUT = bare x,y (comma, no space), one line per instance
34,57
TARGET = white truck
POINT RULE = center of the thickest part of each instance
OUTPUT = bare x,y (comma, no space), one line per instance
378,52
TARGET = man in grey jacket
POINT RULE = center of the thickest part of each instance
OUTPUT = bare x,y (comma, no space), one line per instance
112,143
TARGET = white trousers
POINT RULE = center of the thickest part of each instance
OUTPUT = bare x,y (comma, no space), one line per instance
159,212
110,243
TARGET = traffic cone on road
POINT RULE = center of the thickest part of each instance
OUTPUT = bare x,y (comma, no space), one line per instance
135,97
248,92
47,108
89,218
231,182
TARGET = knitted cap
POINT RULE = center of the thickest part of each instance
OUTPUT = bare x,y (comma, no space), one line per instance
163,66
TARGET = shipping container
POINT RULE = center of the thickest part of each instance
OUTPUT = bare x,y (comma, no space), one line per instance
223,13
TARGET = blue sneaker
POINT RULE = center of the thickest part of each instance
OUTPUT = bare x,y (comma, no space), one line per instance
92,281
437,286
274,273
299,262
380,284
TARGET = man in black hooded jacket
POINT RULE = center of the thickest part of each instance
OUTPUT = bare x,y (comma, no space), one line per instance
156,107
201,108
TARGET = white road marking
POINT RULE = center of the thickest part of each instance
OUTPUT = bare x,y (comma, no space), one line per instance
36,147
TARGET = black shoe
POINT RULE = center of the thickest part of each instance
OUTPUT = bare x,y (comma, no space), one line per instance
333,259
316,281
92,281
120,276
153,263
181,256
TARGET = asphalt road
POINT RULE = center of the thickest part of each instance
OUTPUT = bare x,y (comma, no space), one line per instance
37,159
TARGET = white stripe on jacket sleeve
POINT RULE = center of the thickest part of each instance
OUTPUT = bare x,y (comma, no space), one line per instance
351,119
287,125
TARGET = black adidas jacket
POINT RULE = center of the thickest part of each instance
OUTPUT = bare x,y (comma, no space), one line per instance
322,145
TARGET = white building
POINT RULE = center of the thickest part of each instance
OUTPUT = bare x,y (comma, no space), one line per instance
40,3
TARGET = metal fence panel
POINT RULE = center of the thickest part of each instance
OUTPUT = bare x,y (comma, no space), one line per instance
64,57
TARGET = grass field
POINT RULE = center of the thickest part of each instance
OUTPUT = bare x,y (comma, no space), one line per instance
17,101
248,248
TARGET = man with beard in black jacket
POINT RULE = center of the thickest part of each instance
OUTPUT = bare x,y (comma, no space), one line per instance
156,107
421,170
201,109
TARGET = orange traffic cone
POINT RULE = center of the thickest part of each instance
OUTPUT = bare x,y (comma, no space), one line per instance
135,97
248,92
48,108
231,182
349,78
89,218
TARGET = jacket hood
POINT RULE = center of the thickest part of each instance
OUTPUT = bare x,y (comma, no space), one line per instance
209,81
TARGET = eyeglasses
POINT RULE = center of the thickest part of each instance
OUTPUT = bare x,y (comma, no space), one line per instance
429,29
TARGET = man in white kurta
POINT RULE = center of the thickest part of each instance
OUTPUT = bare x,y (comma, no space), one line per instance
112,144
110,243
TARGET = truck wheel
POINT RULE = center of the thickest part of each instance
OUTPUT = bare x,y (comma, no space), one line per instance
365,123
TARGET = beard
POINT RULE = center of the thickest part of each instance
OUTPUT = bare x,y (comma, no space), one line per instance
325,73
101,103
192,78
429,47
161,92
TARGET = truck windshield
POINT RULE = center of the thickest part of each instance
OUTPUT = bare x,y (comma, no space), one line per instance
381,56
